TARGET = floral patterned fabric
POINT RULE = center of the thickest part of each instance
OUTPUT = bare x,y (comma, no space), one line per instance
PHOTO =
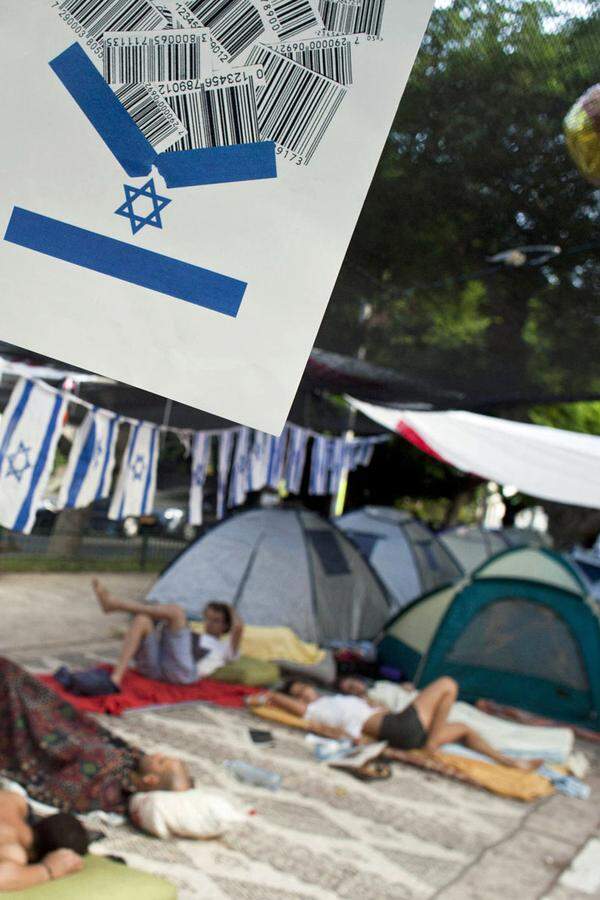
61,756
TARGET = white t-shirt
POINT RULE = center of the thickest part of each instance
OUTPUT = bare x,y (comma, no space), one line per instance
219,653
340,711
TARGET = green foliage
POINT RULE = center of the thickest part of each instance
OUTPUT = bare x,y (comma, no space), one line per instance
583,417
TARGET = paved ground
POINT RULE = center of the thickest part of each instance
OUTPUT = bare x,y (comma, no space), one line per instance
323,835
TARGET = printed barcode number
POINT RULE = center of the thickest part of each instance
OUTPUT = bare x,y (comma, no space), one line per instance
98,16
153,116
171,62
235,24
296,106
217,118
366,17
294,16
333,62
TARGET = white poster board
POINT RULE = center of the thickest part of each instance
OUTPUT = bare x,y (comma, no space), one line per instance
208,293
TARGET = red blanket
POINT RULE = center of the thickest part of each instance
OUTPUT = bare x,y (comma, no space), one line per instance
137,692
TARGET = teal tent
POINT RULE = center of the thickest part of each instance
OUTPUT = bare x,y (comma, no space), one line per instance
520,630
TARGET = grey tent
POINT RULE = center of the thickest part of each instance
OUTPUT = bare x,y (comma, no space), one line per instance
280,567
472,545
405,553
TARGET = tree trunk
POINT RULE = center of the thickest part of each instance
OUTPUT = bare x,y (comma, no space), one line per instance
67,535
569,525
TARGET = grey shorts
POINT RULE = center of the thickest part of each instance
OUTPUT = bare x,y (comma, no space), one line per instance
166,655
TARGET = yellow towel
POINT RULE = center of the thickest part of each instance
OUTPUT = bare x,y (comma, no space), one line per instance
270,644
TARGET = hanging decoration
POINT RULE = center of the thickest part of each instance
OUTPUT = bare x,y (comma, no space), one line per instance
91,461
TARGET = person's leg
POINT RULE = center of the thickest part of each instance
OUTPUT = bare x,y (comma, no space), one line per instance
141,627
175,616
457,733
433,705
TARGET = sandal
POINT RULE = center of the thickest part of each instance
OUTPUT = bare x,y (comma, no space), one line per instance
372,771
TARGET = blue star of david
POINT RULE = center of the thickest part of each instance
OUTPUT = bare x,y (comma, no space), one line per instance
138,221
98,451
16,467
137,467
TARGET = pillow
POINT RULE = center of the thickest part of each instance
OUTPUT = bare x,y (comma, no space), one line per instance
190,814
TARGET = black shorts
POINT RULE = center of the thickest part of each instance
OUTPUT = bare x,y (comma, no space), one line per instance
404,730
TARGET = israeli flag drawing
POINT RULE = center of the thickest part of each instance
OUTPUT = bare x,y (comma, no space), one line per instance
296,457
91,461
136,485
225,448
319,466
200,461
238,485
29,433
259,461
277,459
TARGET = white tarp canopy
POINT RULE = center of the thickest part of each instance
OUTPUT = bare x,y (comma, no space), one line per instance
550,463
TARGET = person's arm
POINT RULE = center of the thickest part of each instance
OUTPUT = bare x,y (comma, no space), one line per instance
327,731
54,865
281,701
235,635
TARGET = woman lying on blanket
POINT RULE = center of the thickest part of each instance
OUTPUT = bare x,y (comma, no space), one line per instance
421,726
162,645
65,759
33,851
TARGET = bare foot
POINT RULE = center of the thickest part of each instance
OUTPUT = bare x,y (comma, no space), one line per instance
103,596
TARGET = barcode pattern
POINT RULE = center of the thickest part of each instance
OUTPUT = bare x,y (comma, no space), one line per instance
160,129
366,18
296,106
294,17
98,16
164,62
235,24
222,117
333,62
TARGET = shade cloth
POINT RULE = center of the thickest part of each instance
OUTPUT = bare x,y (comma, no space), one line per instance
549,463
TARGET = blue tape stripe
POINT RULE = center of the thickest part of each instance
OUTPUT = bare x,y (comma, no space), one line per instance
149,473
82,467
218,165
125,262
105,112
22,519
15,419
107,455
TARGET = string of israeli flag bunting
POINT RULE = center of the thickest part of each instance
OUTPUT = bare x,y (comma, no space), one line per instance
246,460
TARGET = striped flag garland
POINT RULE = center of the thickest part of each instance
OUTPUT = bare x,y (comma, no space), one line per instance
238,483
338,453
29,433
136,485
225,448
91,461
200,461
296,458
319,466
277,459
259,461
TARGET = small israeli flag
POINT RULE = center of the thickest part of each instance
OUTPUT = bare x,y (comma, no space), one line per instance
319,466
336,464
259,461
29,433
277,448
91,461
296,457
238,485
200,462
136,485
225,448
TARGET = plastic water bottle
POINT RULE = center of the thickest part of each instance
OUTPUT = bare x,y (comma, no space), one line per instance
248,774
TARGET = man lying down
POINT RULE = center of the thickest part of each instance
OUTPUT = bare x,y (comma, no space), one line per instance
65,759
423,725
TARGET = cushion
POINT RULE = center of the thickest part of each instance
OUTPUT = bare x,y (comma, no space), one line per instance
197,813
248,671
100,879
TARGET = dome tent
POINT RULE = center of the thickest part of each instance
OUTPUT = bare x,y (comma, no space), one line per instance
472,545
280,567
405,553
521,630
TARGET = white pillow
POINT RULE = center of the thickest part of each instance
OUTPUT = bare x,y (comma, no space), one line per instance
190,814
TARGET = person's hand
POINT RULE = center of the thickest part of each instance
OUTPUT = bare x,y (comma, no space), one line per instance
62,862
262,699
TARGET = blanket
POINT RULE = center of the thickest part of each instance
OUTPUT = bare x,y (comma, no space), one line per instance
527,741
274,644
521,715
138,692
502,780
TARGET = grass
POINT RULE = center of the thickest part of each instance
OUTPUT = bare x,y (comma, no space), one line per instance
39,563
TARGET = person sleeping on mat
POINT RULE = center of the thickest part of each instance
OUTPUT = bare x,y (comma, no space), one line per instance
64,758
423,725
32,850
162,646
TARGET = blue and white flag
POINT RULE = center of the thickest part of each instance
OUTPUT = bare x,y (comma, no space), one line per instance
238,484
136,486
319,466
91,461
225,448
277,459
200,461
296,458
259,461
29,432
338,455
